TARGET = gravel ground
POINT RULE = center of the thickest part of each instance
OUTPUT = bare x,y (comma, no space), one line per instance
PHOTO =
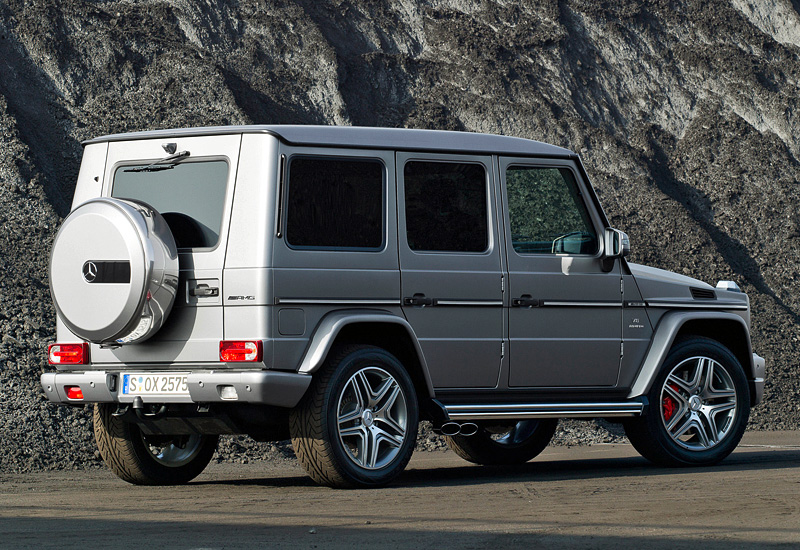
685,114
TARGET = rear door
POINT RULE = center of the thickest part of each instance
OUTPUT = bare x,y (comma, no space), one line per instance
451,271
565,319
194,196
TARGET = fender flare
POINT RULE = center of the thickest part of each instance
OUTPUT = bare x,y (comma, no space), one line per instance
664,336
332,324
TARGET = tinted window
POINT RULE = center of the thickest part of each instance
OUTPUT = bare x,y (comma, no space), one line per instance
446,207
190,196
335,203
547,215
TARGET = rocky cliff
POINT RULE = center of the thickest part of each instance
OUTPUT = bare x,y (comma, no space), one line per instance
685,113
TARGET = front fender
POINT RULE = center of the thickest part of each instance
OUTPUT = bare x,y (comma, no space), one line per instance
666,331
332,324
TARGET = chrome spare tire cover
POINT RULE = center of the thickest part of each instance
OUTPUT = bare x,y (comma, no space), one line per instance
114,271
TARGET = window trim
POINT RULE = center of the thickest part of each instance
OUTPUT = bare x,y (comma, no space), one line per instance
582,195
488,204
190,160
286,191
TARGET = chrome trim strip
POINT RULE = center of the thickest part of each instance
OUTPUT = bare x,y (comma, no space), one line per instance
336,301
694,305
468,302
544,410
552,303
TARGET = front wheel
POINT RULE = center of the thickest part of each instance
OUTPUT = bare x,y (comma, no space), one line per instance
144,459
357,425
514,443
700,404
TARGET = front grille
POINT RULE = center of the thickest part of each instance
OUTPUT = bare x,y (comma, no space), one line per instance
703,294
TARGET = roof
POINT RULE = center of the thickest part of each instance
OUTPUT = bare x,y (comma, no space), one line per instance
366,138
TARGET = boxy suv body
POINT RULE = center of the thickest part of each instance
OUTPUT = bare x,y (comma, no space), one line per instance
338,285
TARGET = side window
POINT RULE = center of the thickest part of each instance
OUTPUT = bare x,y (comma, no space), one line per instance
547,215
335,204
446,206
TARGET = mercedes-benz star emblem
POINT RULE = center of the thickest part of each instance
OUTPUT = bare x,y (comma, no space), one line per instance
89,272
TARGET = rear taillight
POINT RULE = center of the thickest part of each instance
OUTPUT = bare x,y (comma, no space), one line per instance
73,392
68,354
240,350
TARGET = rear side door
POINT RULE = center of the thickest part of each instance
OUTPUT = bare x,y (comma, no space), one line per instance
565,319
451,267
194,197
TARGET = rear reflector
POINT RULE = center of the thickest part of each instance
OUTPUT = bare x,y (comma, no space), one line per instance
73,392
68,354
240,350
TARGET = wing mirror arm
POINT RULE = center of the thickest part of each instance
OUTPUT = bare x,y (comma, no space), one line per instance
616,244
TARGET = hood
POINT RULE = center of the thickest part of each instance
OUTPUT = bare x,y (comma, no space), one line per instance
660,284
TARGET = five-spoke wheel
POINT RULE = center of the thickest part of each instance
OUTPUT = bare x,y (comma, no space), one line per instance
699,403
357,424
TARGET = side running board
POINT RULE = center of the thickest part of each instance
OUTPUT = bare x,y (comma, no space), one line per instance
521,411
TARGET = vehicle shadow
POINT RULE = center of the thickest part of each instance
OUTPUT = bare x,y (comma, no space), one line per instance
548,470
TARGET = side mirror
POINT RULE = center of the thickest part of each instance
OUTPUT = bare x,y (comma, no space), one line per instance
616,245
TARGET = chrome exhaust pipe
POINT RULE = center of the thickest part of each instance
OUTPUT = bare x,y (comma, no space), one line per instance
469,428
454,428
450,428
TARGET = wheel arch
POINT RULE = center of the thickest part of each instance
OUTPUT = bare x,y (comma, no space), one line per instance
379,328
728,329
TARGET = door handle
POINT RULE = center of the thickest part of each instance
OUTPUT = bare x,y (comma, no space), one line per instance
418,300
204,290
525,301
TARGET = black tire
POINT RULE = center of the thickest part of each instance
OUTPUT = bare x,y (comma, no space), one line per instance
495,444
691,421
335,451
132,455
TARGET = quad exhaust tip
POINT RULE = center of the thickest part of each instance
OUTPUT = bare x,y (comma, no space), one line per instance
456,428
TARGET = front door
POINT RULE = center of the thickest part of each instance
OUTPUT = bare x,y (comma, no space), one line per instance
565,319
451,270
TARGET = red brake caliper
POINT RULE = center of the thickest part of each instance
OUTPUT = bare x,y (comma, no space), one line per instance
669,405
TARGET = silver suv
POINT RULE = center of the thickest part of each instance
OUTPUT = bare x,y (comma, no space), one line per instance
337,285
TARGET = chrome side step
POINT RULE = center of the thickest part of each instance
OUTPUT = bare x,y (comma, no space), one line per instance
544,410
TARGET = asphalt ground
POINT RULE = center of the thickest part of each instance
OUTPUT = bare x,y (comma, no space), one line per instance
598,496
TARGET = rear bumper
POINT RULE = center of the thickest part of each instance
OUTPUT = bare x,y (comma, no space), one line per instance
759,375
281,389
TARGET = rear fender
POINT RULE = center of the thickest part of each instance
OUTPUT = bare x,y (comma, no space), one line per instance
331,326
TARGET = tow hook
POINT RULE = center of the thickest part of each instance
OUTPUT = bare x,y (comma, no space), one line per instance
139,407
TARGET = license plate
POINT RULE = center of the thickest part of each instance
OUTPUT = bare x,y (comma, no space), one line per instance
173,383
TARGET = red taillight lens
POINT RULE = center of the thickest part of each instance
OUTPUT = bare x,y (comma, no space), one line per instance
240,350
68,354
73,392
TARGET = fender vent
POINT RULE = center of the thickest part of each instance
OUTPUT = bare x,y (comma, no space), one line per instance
703,294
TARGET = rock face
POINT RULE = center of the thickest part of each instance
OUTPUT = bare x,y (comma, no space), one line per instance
685,114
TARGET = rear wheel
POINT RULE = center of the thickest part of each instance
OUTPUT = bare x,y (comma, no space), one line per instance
700,404
149,459
514,443
357,425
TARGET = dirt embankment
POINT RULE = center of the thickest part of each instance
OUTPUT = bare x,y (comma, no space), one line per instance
685,114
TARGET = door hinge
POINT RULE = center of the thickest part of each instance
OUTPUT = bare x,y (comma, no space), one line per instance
502,283
621,349
622,286
502,349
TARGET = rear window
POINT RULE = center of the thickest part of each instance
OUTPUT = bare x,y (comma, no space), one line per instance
446,207
335,204
190,196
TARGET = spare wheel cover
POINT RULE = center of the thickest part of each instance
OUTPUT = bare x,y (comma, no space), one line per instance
114,271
